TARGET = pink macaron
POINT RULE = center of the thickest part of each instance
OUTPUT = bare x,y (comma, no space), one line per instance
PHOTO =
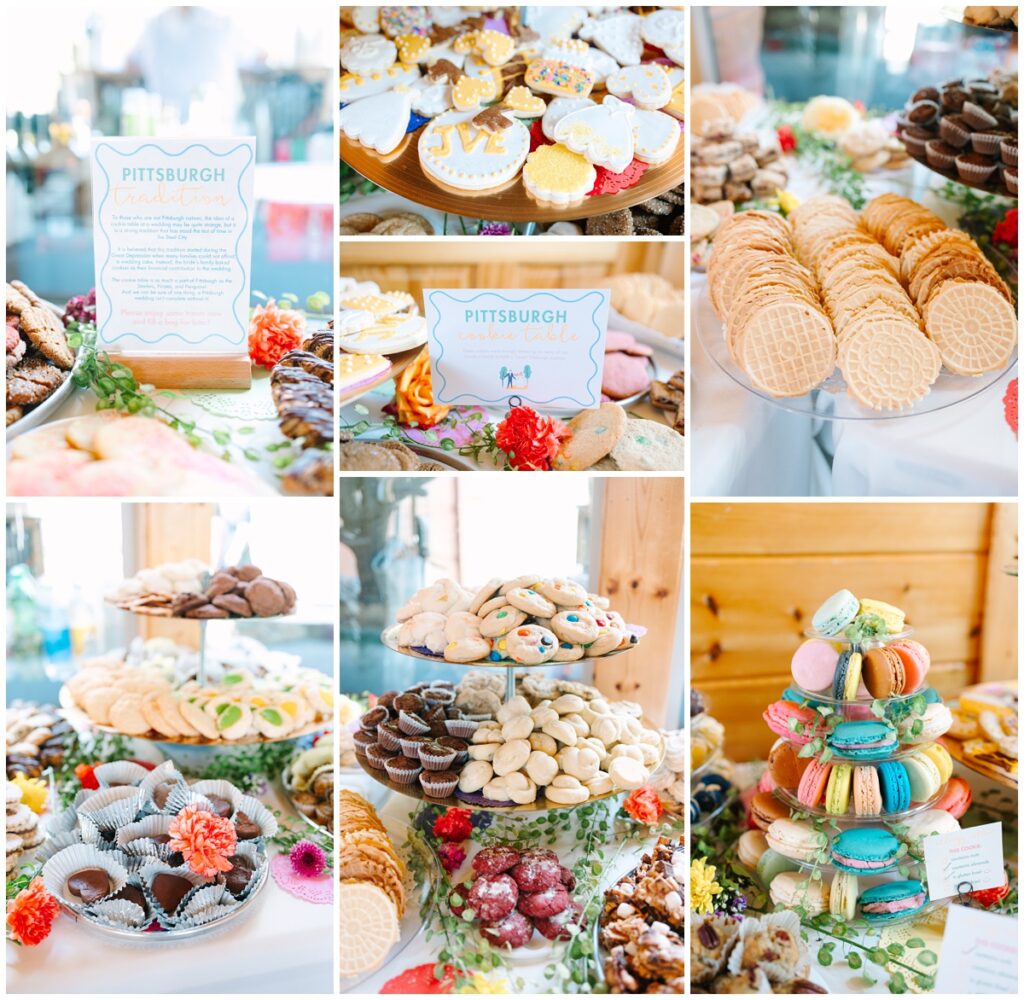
916,662
956,800
814,665
811,789
777,717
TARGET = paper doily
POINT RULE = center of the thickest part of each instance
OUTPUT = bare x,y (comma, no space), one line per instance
245,405
313,890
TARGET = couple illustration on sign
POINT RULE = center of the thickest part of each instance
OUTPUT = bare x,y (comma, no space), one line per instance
515,380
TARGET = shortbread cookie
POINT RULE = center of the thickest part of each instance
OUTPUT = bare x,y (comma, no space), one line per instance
46,333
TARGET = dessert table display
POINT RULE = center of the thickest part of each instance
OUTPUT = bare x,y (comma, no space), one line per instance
829,843
498,876
520,116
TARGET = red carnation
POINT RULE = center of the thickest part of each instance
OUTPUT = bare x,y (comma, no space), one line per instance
787,138
1010,405
644,805
1006,229
455,825
85,773
529,440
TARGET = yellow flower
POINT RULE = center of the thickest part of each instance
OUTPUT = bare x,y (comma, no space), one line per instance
829,115
788,201
33,792
703,887
479,983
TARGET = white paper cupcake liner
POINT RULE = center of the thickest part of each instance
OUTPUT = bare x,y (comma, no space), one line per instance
110,808
249,849
182,796
148,826
118,913
64,821
259,814
207,916
89,832
220,787
74,858
56,843
144,848
120,773
149,870
160,775
785,920
204,898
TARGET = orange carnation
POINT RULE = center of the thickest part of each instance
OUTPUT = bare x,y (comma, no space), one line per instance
31,913
206,841
414,395
273,332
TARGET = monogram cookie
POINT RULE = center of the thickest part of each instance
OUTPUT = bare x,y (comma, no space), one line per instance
473,156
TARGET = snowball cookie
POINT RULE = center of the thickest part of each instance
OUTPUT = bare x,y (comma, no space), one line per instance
521,789
625,772
600,784
475,775
579,763
546,744
628,750
562,732
425,629
567,703
541,767
510,756
567,791
516,705
577,722
497,789
484,751
518,728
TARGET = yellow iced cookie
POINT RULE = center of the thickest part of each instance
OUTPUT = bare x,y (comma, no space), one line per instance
557,175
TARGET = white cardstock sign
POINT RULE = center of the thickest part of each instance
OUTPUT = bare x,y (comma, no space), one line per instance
172,235
964,861
545,347
979,953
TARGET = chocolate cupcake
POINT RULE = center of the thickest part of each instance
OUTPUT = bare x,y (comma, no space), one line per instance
412,724
977,117
372,719
988,143
387,698
411,745
922,113
982,88
439,696
461,727
362,740
409,701
404,770
953,129
439,784
953,99
436,757
916,139
389,735
378,755
1008,151
974,168
461,748
1010,178
941,155
438,728
925,94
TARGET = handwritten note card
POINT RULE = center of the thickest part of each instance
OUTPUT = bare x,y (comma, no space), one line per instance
172,232
967,860
544,347
979,953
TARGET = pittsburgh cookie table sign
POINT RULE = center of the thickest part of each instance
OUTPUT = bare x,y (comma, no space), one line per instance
489,346
172,231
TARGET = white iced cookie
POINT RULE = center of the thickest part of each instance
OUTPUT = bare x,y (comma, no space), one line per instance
568,703
501,621
625,772
655,136
528,600
460,624
365,54
354,86
618,35
518,728
603,135
475,775
431,96
511,756
494,604
567,790
468,649
378,122
529,580
513,708
365,19
541,767
575,625
530,644
664,29
485,594
484,751
562,732
425,629
473,150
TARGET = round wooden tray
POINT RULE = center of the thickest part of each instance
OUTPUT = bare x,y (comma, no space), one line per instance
951,175
400,172
399,362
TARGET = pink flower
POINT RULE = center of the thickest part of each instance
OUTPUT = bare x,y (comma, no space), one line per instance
308,860
451,856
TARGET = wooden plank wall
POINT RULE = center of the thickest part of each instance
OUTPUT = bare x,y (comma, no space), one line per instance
759,571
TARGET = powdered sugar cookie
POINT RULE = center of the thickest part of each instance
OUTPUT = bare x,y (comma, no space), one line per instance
664,29
603,134
618,35
655,136
648,85
558,109
531,644
473,150
523,103
378,122
557,175
552,76
472,91
355,86
367,54
577,52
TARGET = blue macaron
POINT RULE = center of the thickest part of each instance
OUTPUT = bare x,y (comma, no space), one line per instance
866,851
863,740
792,694
892,901
894,785
836,613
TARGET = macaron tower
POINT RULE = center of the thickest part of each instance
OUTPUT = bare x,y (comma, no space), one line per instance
856,762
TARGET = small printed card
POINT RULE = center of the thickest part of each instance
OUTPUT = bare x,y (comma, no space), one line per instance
979,953
488,345
172,238
964,861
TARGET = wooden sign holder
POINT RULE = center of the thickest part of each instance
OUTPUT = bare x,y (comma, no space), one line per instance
189,371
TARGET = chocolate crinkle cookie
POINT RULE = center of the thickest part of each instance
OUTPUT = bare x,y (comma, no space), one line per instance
237,592
659,216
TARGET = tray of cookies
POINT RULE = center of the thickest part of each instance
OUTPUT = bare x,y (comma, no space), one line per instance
523,114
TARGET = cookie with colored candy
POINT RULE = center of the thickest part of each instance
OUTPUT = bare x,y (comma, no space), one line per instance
558,109
531,644
501,621
523,103
649,446
561,79
355,86
655,136
618,35
576,52
378,122
473,151
557,175
594,434
648,85
603,134
364,54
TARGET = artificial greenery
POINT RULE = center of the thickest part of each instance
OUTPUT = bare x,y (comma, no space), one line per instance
352,184
20,881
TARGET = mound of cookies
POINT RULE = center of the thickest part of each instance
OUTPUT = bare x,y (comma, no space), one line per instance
309,780
141,701
511,893
371,887
35,738
732,165
527,619
642,929
182,590
651,300
577,105
168,854
39,359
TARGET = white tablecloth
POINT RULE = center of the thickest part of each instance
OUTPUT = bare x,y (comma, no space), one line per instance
283,945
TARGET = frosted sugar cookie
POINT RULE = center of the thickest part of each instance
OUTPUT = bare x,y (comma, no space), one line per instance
474,150
352,370
576,52
552,76
557,175
665,29
378,122
558,109
619,36
355,86
603,134
655,136
388,335
380,305
367,53
648,85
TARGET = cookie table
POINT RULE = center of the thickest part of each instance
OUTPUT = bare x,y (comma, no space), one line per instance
284,945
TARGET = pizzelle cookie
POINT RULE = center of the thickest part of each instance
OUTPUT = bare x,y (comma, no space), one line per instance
474,151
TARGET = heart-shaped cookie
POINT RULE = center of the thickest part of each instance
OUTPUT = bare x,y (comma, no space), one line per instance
648,85
603,133
471,91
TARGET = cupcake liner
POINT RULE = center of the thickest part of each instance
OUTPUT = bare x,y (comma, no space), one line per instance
204,898
182,796
974,173
144,848
150,870
776,972
1008,152
404,777
377,759
74,858
411,726
120,773
118,913
388,739
111,808
56,843
435,790
208,915
148,826
160,775
220,787
65,821
259,814
461,728
437,762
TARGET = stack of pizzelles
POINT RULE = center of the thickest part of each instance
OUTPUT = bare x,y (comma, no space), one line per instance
967,309
886,359
775,327
371,888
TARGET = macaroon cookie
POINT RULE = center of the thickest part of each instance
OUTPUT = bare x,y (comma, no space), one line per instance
812,784
842,896
797,723
837,794
752,844
867,850
771,864
914,829
924,777
796,839
940,757
863,740
846,680
891,901
916,662
894,618
765,809
894,784
814,665
798,889
883,671
956,799
867,793
785,766
933,723
836,613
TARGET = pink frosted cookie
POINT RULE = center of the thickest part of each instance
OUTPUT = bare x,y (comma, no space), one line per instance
618,340
624,375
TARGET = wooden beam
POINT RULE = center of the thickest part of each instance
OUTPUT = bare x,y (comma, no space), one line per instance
999,622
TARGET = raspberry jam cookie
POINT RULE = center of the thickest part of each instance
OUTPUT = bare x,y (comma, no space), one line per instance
474,151
556,175
528,600
531,645
502,621
575,626
602,134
